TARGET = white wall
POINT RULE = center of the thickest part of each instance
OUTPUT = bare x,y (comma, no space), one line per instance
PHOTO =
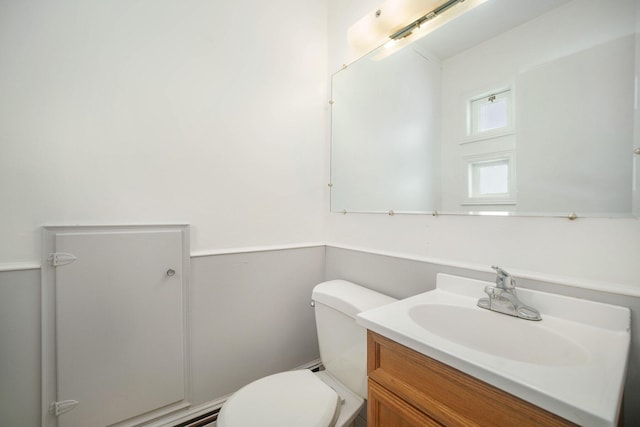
586,251
143,111
636,122
156,111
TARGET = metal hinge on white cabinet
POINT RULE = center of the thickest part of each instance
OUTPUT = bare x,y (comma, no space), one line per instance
58,408
57,259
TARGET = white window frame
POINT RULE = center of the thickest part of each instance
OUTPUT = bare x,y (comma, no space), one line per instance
473,134
471,198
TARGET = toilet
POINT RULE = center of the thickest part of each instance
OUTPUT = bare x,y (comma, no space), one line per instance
301,398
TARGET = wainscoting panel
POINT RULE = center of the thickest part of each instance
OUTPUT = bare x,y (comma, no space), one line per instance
250,317
20,348
395,276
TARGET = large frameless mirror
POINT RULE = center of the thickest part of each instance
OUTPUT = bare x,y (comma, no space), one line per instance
515,107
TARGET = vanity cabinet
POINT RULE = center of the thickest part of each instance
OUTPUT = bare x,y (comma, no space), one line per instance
409,389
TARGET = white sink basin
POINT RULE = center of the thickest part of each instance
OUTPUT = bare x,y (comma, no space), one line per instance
502,336
572,362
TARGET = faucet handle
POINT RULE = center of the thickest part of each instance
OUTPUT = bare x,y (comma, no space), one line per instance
500,271
504,279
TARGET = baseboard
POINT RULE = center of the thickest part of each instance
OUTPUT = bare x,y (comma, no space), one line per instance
192,416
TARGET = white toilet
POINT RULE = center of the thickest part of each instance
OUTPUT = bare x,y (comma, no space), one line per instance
332,397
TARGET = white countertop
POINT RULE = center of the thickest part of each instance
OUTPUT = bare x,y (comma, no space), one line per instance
571,363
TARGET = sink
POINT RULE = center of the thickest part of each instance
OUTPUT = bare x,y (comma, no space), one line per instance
571,363
494,333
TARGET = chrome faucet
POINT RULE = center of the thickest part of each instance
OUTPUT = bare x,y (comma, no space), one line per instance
504,299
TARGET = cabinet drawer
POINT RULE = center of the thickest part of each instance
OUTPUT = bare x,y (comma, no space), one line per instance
445,394
385,409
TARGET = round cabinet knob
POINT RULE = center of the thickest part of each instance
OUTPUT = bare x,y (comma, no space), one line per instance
171,272
637,150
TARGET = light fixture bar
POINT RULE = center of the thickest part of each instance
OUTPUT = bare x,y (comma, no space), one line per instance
406,31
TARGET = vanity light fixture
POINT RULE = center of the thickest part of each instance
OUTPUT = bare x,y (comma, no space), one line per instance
415,26
427,23
388,22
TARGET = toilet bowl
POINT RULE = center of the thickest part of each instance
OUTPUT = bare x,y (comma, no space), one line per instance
328,398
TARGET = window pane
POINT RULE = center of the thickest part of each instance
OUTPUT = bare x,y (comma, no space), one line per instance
490,113
494,179
493,115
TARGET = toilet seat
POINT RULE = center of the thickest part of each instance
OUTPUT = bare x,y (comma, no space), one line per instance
292,398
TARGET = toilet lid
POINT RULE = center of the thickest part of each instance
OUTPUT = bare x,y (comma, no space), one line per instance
293,398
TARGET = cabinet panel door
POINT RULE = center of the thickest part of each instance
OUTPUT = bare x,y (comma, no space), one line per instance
119,325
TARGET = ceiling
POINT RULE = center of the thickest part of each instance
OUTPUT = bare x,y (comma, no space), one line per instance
471,29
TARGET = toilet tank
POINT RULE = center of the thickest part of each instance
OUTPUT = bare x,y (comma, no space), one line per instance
342,342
